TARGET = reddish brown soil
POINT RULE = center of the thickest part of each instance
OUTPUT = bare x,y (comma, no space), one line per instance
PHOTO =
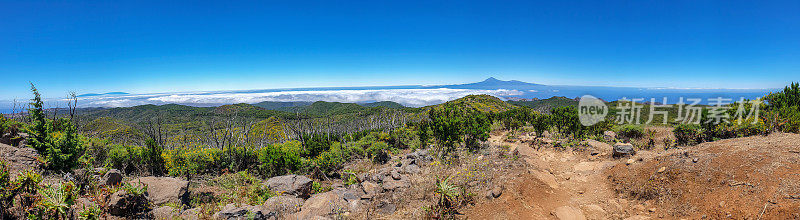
742,178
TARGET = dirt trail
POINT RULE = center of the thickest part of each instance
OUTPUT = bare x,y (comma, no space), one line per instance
754,177
559,184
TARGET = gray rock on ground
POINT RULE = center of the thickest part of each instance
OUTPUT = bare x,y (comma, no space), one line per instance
296,185
122,203
283,205
163,190
18,159
324,205
231,212
112,178
165,213
623,149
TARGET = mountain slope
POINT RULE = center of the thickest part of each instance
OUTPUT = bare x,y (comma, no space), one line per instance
481,103
269,105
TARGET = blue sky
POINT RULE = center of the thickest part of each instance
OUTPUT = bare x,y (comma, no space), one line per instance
158,46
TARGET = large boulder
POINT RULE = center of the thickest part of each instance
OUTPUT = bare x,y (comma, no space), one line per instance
14,139
296,185
420,156
623,149
112,178
18,159
230,212
283,205
166,213
370,189
323,205
122,203
163,190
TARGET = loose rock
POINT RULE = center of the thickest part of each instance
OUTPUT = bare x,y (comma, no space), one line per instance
296,185
163,190
623,149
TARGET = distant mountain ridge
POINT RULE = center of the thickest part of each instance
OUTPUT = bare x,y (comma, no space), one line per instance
493,83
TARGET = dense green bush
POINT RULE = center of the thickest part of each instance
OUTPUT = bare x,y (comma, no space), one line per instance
9,126
378,152
127,158
476,130
515,118
279,159
541,123
451,125
689,134
186,161
782,110
332,159
56,140
630,131
154,157
403,138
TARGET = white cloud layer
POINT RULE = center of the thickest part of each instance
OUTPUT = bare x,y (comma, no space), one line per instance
407,97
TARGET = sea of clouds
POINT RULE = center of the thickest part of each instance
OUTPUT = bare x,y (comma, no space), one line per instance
407,97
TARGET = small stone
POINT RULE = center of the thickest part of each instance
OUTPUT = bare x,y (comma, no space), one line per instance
694,160
396,175
630,161
662,169
652,210
497,191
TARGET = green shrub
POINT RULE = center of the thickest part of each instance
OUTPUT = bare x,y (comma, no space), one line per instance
186,161
403,138
689,134
153,157
630,131
56,140
279,159
331,160
8,126
541,123
378,152
241,187
127,158
782,110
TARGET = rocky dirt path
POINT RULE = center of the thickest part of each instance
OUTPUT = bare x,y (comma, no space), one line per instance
559,184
